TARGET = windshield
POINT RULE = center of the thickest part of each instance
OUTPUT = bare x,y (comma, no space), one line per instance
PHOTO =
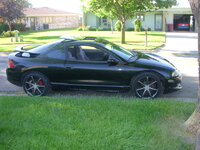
118,50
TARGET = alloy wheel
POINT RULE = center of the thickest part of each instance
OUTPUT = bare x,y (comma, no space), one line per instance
147,87
34,86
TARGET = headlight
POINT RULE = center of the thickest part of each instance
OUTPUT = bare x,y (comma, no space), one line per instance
176,73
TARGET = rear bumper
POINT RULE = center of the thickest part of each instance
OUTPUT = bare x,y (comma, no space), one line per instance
14,76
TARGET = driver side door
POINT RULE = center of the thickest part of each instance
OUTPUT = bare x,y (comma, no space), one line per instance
94,69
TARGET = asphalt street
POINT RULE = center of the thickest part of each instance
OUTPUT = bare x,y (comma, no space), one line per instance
180,48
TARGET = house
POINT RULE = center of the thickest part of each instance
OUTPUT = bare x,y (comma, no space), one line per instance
48,18
177,18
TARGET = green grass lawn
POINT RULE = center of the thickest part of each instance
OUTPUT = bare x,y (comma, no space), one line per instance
135,40
93,123
7,48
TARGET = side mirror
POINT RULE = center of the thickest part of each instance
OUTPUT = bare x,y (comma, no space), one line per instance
112,62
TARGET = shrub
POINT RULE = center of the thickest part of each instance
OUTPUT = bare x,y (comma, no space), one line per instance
92,29
149,29
130,29
14,26
6,34
9,33
104,29
28,28
2,27
86,28
18,26
79,29
13,32
118,26
137,24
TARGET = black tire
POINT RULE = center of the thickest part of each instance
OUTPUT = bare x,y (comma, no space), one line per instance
36,84
147,85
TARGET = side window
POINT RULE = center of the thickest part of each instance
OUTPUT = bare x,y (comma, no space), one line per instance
71,53
58,52
86,53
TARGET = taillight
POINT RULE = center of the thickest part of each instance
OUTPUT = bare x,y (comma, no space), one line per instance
11,64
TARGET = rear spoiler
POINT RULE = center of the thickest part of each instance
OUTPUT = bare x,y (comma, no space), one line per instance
21,48
25,53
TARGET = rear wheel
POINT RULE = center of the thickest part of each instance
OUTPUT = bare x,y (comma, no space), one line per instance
147,85
36,84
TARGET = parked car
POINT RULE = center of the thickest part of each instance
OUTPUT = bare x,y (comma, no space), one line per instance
90,62
183,26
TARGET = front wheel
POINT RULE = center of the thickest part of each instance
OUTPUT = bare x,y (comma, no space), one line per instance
36,84
147,85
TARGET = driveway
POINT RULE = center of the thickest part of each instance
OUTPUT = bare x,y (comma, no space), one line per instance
180,48
5,86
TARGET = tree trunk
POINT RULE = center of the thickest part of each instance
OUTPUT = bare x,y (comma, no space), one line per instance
193,123
123,28
9,25
199,57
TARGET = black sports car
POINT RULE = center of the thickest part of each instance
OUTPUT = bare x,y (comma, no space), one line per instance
90,62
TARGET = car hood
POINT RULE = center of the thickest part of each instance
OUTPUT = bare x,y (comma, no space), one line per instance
153,61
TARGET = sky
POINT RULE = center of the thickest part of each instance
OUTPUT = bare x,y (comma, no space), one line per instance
65,5
183,3
75,5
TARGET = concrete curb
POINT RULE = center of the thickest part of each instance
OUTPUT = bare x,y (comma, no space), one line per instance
19,93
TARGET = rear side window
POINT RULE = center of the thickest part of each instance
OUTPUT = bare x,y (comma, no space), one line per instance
46,47
57,52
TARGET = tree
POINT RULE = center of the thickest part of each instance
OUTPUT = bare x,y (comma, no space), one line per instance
137,24
193,123
11,10
123,10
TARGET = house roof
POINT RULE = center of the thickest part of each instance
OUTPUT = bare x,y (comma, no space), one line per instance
45,11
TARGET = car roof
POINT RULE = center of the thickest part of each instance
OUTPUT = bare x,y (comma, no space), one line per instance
84,42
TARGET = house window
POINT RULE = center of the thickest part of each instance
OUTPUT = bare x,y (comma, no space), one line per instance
50,19
105,21
47,20
141,16
32,19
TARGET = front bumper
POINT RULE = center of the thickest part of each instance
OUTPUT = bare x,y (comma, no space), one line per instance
174,83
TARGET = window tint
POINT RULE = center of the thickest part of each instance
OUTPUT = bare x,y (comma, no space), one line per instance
71,53
86,53
44,48
58,52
